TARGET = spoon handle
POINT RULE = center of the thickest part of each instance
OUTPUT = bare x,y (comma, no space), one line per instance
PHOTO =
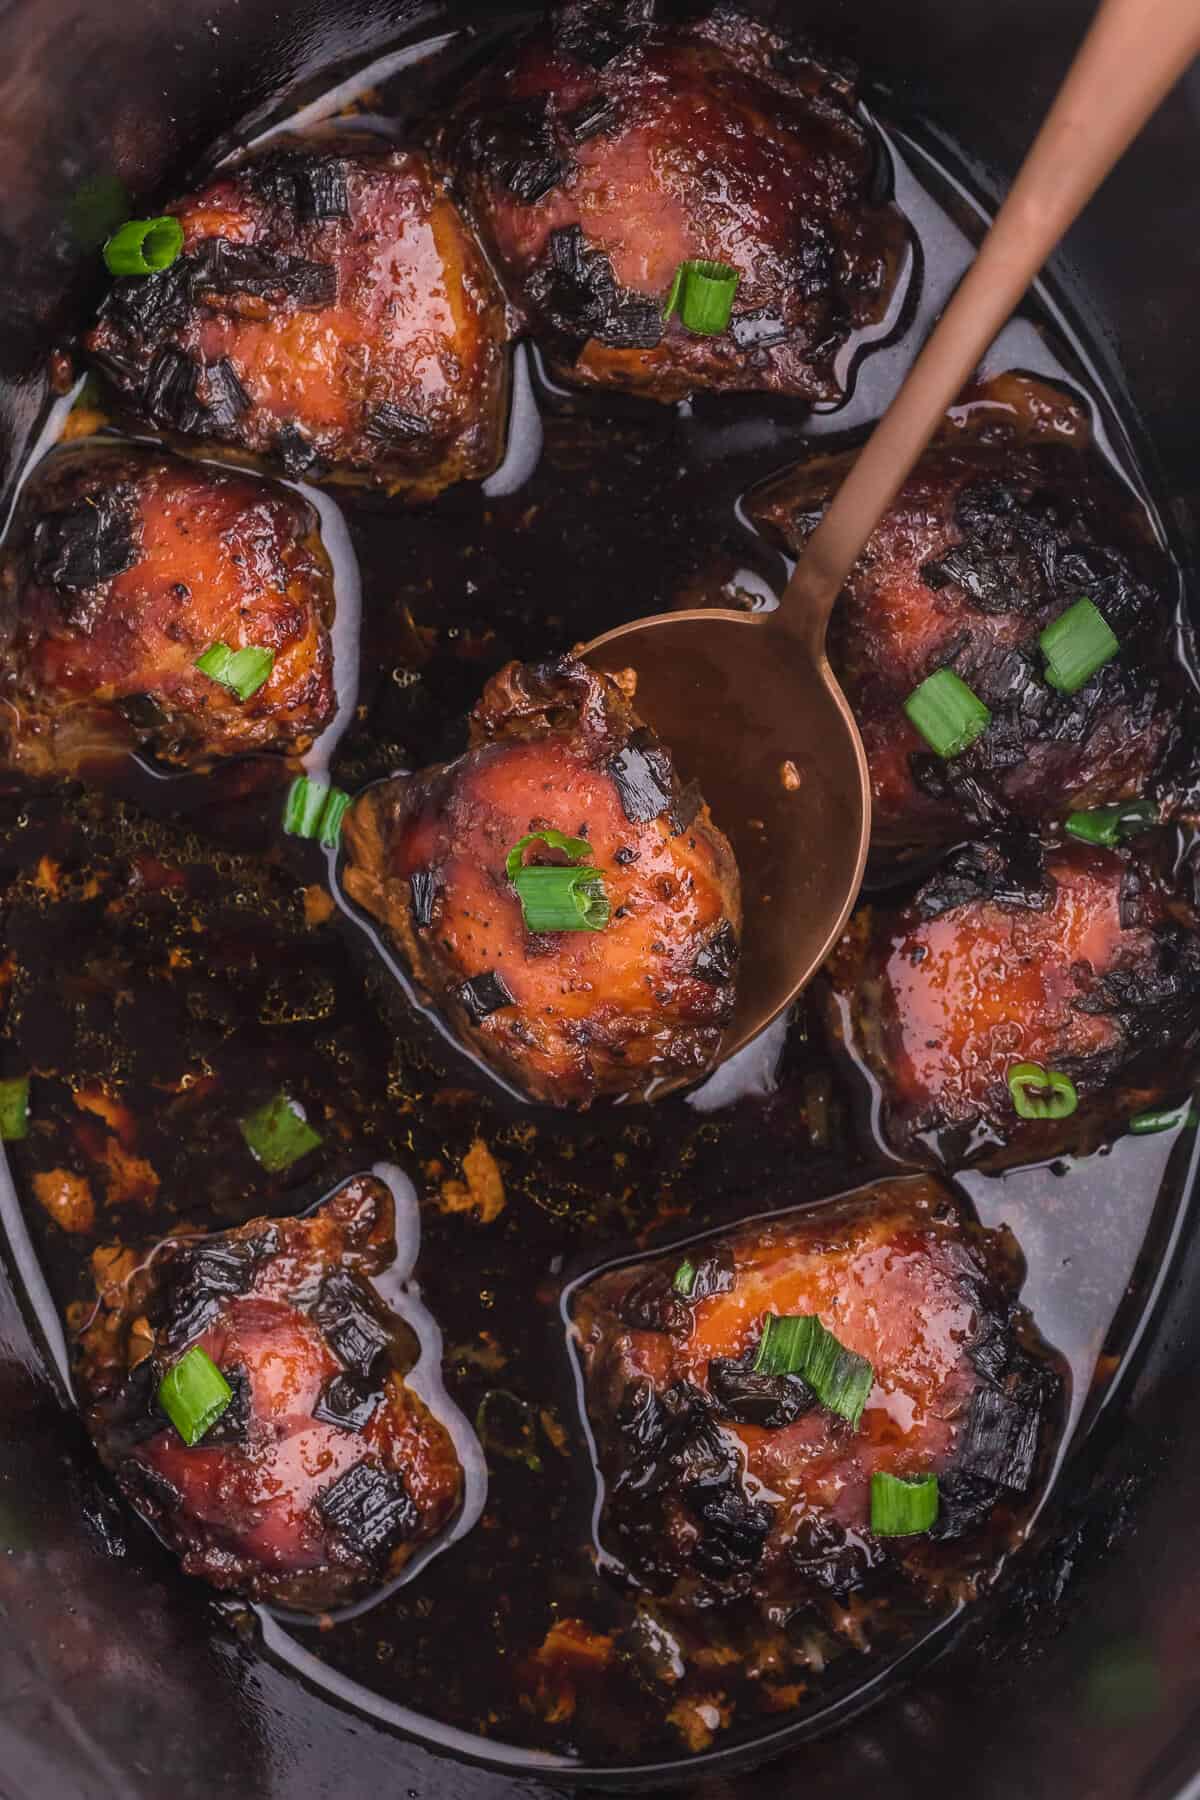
1133,54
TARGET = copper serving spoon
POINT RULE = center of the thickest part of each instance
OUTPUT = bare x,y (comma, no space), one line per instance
747,701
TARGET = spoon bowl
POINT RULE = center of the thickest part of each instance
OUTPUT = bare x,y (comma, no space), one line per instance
752,712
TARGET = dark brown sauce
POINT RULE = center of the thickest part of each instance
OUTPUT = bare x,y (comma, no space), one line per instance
158,940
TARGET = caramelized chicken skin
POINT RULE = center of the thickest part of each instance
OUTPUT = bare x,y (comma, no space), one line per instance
722,1484
1079,959
981,550
124,566
608,148
567,1015
330,311
326,1472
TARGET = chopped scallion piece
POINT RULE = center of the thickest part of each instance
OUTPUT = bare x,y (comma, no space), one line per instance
800,1345
946,713
702,293
14,1108
143,246
242,671
335,812
562,899
1079,642
279,1134
578,849
902,1508
1039,1093
1144,1124
1109,825
313,809
193,1393
507,1425
685,1278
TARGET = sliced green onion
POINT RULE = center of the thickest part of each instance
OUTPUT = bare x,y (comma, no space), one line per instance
1079,642
14,1108
685,1278
313,809
1108,825
946,713
702,293
1144,1124
562,899
578,849
243,671
193,1393
279,1134
902,1508
800,1345
335,811
143,246
1039,1093
506,1424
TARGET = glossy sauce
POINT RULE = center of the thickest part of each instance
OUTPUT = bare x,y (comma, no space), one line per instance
169,936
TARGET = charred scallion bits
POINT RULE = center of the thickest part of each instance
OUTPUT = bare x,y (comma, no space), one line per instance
558,897
800,1345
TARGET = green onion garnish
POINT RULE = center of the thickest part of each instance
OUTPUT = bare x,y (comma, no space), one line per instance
578,849
685,1278
279,1134
1143,1124
562,899
506,1424
193,1393
243,671
1078,643
313,809
840,1378
1108,825
903,1508
946,713
143,246
14,1108
702,293
554,898
1039,1093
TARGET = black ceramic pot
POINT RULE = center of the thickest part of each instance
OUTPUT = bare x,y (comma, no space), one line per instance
116,1676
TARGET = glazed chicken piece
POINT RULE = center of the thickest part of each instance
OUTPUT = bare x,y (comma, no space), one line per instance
606,149
1081,960
724,1484
630,1008
982,549
326,1471
330,312
124,567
